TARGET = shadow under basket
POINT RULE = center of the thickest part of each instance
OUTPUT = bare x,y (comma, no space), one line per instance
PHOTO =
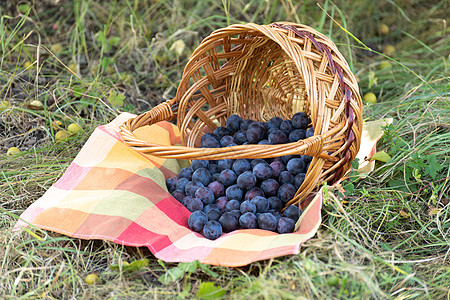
259,72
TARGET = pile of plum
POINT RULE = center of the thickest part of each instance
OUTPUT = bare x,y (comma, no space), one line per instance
225,195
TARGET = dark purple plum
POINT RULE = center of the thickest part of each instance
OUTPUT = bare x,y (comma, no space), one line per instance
210,143
246,180
270,187
309,132
197,164
171,184
222,203
181,184
222,131
241,165
297,135
277,137
205,195
256,161
285,177
226,140
213,214
217,188
255,132
225,164
236,213
202,175
210,135
263,171
286,192
277,167
209,207
286,127
264,142
229,222
298,180
195,204
295,166
197,221
275,203
186,173
232,205
300,120
307,158
247,206
261,203
186,200
245,123
234,192
267,221
179,195
252,193
191,187
212,230
248,221
234,123
240,137
274,123
227,177
285,225
213,168
292,212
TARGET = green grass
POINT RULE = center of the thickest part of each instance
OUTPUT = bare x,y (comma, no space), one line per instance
388,237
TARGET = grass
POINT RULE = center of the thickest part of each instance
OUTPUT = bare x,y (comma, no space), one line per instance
86,61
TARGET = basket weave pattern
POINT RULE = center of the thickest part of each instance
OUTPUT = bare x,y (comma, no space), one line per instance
258,72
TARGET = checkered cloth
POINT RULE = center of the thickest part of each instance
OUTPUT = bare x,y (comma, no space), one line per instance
111,192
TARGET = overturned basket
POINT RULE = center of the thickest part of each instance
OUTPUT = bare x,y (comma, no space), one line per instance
258,72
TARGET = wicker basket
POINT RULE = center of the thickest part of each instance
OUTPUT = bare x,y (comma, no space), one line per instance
258,72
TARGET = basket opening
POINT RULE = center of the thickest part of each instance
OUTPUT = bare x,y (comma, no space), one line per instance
259,83
266,83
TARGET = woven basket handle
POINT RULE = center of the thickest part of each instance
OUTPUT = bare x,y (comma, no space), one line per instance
312,146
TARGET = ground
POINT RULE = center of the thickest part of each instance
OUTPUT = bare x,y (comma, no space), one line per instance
87,61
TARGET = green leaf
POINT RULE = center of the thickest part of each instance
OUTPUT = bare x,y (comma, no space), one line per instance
137,265
355,164
171,275
381,156
432,166
116,99
349,188
207,290
114,41
207,270
189,267
24,8
106,61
